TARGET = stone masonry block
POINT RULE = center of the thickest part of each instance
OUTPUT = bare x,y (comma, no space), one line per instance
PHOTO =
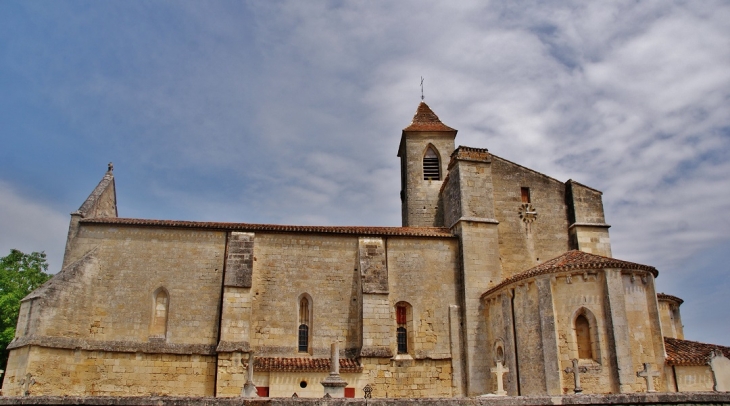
239,261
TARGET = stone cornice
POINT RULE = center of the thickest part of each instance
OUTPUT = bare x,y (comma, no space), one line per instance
230,346
601,225
150,347
475,220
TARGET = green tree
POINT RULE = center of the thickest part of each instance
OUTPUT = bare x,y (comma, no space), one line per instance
20,274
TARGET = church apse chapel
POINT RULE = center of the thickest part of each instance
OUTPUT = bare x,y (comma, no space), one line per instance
500,281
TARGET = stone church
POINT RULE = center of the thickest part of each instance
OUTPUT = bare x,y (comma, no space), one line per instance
500,281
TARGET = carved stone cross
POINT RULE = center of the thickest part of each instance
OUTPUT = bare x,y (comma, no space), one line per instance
26,383
576,371
500,371
649,375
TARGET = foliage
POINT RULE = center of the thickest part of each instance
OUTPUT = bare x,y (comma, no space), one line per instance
20,274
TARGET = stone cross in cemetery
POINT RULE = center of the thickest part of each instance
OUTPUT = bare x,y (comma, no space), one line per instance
249,389
334,385
26,383
500,371
649,375
576,371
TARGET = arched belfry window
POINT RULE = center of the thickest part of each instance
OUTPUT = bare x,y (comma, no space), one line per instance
583,337
431,166
160,307
305,317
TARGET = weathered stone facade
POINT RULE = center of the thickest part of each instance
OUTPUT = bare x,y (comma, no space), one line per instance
495,265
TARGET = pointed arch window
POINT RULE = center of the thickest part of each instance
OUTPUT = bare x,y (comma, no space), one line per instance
583,337
431,166
305,315
161,304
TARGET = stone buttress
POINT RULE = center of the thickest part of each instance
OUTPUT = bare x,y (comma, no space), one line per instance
469,212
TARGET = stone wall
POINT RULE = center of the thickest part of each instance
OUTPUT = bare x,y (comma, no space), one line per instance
524,245
584,294
670,319
588,228
110,297
423,273
693,378
103,307
700,399
67,372
286,266
528,340
646,343
407,379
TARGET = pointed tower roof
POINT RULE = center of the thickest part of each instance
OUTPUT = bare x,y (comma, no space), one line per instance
426,120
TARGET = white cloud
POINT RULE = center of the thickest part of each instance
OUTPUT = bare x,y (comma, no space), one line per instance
29,226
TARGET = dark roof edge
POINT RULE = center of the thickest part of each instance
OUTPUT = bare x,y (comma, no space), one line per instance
430,232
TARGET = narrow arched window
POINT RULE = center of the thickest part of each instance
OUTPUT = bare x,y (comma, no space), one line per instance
402,336
158,327
583,337
431,167
401,318
304,321
303,338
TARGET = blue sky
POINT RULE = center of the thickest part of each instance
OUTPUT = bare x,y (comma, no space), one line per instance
290,112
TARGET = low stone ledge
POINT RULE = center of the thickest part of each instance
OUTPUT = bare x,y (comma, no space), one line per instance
684,398
151,347
231,346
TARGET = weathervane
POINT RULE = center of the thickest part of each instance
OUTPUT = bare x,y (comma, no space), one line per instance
421,88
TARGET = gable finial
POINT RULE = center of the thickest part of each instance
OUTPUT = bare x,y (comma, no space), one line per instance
421,88
110,167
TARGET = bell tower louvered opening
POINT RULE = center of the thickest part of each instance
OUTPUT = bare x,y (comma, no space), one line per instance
431,167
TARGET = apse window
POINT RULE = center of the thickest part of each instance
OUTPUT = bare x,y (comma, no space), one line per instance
431,167
583,337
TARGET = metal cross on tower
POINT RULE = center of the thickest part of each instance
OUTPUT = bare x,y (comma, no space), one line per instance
421,88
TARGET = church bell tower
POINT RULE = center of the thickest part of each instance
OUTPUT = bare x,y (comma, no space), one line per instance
425,147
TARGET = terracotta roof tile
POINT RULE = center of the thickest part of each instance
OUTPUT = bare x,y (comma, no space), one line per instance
426,120
275,364
572,260
690,353
385,231
664,296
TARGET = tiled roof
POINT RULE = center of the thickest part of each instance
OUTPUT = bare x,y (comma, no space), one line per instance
664,296
688,353
270,364
385,231
573,260
426,120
